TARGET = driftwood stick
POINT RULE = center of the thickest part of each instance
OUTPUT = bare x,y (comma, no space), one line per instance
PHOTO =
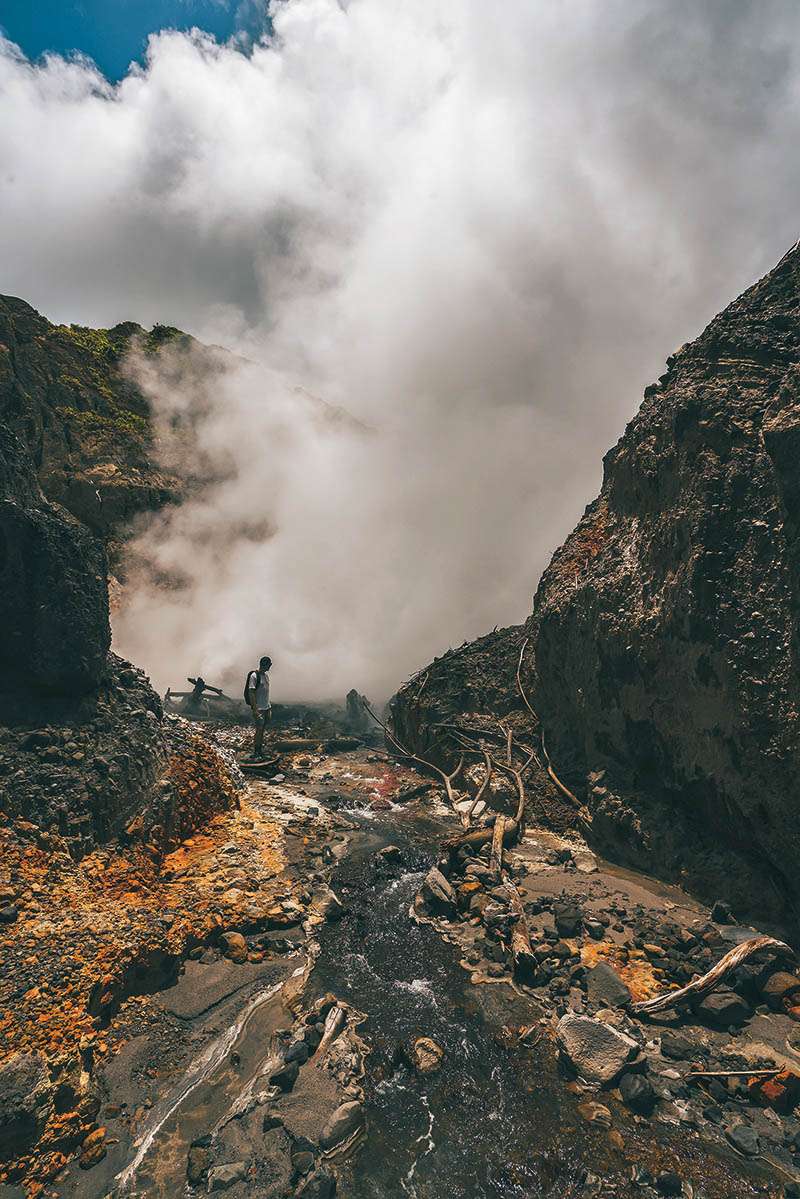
524,960
496,856
735,1073
565,791
725,966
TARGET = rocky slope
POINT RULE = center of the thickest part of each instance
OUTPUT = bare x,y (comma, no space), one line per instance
87,759
664,637
71,396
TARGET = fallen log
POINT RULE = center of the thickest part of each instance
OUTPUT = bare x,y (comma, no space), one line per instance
707,982
479,837
524,960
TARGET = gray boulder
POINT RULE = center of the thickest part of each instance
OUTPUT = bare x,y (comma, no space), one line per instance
437,896
605,987
597,1051
345,1120
25,1102
221,1178
744,1138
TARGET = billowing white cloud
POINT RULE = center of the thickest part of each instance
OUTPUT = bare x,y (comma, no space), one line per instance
478,228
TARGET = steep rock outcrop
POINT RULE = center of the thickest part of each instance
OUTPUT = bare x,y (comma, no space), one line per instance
70,395
663,645
53,587
668,625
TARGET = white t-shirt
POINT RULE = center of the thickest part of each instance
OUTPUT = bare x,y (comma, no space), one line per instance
258,681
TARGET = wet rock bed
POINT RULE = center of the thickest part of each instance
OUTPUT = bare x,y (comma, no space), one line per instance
86,943
95,942
301,1111
603,939
261,877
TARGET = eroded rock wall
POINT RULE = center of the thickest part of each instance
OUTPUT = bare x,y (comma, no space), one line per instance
67,392
53,587
664,641
667,625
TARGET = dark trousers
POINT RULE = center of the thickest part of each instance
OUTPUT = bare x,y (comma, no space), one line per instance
261,721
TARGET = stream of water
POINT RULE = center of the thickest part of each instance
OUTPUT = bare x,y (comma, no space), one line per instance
477,1126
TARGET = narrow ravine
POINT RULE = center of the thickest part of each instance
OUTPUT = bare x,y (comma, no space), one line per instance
497,1119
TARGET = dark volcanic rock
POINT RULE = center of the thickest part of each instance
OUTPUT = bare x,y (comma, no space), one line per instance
437,895
25,1102
668,625
664,644
53,587
744,1138
605,986
724,1008
637,1093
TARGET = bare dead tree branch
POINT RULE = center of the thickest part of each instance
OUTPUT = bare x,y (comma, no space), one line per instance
482,789
701,986
565,791
447,779
521,689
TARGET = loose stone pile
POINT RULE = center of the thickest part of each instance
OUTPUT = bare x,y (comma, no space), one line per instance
597,952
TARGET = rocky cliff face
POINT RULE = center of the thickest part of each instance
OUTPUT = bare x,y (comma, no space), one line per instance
667,626
666,630
53,587
84,751
69,395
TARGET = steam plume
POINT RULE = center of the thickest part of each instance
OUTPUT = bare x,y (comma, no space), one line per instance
479,231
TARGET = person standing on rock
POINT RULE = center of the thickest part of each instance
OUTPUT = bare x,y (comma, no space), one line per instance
256,694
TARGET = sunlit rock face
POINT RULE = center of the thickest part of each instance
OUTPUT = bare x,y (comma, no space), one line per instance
69,394
663,646
667,624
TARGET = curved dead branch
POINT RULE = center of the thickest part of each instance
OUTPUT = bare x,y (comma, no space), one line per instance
447,779
725,966
520,688
565,791
482,789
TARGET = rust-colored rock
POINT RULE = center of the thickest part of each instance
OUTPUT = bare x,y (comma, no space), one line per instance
234,947
93,1149
781,1092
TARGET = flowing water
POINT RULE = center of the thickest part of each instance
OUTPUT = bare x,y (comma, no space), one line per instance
478,1126
496,1120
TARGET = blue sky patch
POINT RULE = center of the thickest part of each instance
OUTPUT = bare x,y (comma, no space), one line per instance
114,32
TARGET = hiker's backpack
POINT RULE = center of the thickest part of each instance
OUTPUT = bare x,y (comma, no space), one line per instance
247,688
